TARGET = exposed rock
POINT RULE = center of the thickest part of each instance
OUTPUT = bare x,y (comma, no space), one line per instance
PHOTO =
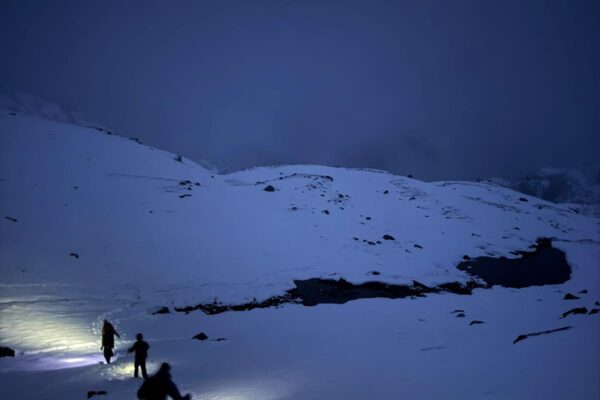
593,311
74,255
184,195
386,191
93,393
460,315
6,352
457,311
421,286
388,237
466,257
418,246
476,322
326,212
577,310
311,292
523,199
12,219
200,336
570,296
269,188
525,336
584,291
375,273
162,310
543,266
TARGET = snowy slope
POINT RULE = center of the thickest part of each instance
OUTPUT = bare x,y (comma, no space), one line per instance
94,225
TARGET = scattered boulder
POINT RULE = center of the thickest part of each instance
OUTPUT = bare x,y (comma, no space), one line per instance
460,315
326,212
200,336
388,237
577,310
584,291
13,114
457,311
418,246
375,273
476,322
162,310
93,393
12,219
221,339
6,352
74,255
371,243
386,191
269,188
523,199
184,196
178,158
570,296
593,311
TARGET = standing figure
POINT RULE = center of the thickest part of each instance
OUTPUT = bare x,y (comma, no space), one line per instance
108,340
141,352
159,386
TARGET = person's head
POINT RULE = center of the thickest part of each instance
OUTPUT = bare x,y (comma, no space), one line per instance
165,369
139,337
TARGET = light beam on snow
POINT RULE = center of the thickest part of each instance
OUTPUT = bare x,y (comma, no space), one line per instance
246,390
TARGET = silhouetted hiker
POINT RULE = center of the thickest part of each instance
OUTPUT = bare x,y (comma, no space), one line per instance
141,352
159,386
108,340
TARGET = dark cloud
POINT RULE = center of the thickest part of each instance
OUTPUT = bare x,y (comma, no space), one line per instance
440,89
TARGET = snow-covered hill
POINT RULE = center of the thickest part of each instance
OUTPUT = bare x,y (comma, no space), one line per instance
94,224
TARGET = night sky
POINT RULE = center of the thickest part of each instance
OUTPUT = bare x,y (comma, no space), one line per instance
439,89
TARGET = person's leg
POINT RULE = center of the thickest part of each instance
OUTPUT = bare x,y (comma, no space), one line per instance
143,366
136,364
107,354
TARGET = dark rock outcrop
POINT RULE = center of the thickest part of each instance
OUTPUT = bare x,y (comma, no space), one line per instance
574,311
525,336
93,393
544,265
6,352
